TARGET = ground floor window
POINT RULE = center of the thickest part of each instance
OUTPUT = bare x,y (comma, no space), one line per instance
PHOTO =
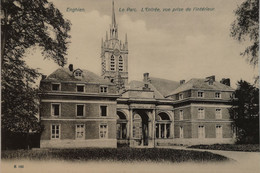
80,131
162,130
218,131
181,132
103,131
137,130
55,131
201,132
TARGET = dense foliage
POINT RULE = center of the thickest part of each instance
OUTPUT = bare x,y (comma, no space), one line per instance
116,154
26,24
246,28
245,112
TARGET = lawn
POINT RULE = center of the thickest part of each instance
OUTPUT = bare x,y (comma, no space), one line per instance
114,154
230,147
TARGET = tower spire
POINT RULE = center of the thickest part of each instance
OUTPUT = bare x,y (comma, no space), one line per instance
113,15
126,37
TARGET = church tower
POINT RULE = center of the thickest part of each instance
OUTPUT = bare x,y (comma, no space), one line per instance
114,56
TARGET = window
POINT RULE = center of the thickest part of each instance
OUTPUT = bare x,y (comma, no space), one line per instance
218,113
80,110
55,87
80,131
120,64
55,109
181,132
103,131
201,113
201,132
211,82
200,94
112,63
103,89
218,95
80,88
103,110
218,131
55,131
78,74
180,96
181,114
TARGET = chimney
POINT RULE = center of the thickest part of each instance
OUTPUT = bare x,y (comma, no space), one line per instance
146,77
182,82
212,78
225,81
44,77
71,67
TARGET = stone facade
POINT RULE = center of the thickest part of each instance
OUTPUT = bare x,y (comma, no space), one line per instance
81,109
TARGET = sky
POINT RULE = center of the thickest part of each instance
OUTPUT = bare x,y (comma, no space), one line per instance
177,45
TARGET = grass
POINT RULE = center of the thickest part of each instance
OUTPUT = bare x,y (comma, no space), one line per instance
114,154
230,147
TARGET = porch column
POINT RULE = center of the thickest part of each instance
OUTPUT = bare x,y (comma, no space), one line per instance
153,127
165,131
130,126
159,130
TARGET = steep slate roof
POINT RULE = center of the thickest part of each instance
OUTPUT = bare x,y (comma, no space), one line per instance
164,86
161,87
201,84
64,74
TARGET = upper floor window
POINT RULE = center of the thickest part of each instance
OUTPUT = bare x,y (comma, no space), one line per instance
180,96
103,89
55,131
181,114
217,95
55,87
201,113
200,94
55,109
80,88
80,131
218,113
80,110
103,110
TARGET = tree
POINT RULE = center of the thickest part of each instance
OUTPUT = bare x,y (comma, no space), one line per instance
26,24
245,112
246,28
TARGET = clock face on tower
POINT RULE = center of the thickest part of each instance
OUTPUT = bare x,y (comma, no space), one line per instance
116,52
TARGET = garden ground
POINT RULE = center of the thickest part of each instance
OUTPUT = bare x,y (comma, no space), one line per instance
243,162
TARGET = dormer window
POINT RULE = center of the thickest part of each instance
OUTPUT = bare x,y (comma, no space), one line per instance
78,73
180,96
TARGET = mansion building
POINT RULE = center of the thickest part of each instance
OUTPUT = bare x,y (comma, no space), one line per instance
81,109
